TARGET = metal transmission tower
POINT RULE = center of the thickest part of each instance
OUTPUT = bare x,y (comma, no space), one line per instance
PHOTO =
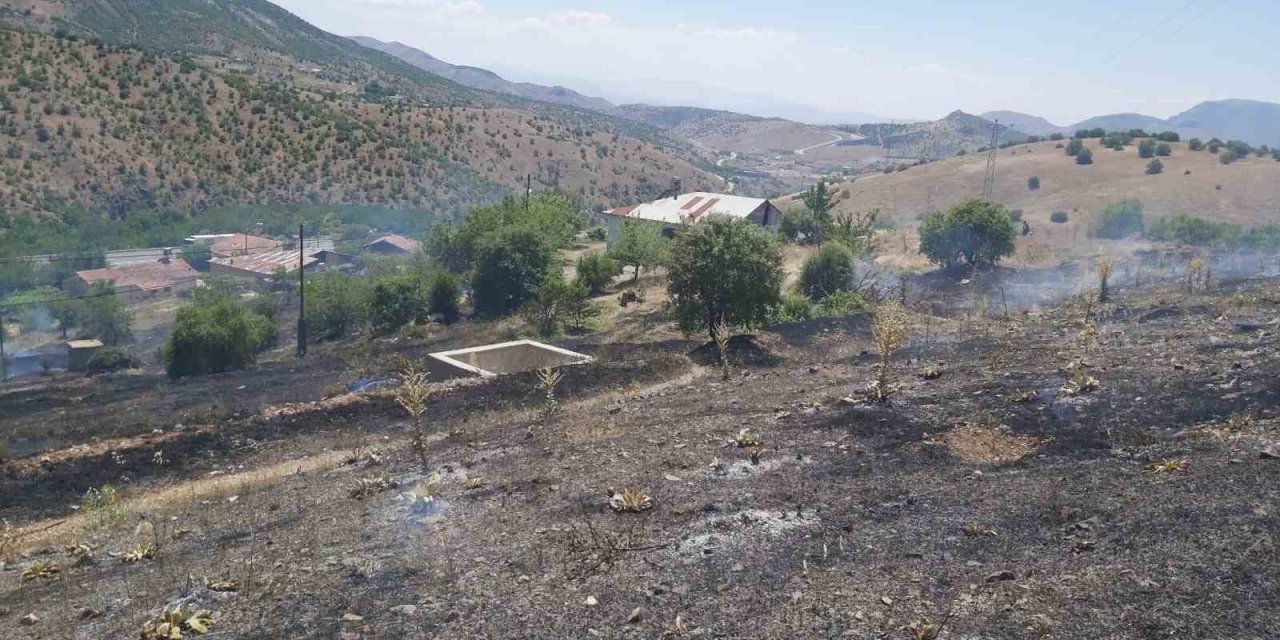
989,185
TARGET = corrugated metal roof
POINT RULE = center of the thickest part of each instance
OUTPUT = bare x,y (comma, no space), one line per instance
266,264
235,244
143,275
398,241
691,207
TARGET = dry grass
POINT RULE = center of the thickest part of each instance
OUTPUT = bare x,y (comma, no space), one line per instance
990,445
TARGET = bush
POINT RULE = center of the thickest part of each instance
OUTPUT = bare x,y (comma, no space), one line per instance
1016,215
396,302
829,271
842,304
1154,167
640,246
110,359
1120,220
1059,217
102,315
443,296
1227,156
1163,150
1190,230
1084,157
509,270
336,306
597,234
1033,183
596,272
1146,148
556,303
794,308
726,271
977,231
1195,144
216,333
1075,146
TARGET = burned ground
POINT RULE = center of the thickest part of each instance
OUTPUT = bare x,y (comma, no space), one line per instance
984,500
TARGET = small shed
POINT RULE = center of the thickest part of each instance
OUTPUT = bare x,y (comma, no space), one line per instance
79,352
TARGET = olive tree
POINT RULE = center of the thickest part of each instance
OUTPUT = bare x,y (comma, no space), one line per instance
724,272
975,232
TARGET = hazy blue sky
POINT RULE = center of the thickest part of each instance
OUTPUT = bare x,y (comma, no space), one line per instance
901,58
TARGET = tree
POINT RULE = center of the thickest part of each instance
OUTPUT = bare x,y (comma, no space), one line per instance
724,271
396,302
1154,167
336,305
596,272
216,333
1146,148
977,232
1033,183
557,301
1084,157
1120,220
1075,146
829,271
640,246
443,295
818,201
1163,149
550,215
1195,144
102,315
509,269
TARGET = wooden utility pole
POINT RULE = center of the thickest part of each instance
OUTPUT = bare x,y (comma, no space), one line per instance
302,296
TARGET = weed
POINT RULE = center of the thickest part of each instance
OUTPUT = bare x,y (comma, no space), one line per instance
1024,397
1241,421
1106,267
102,507
930,372
1078,382
176,624
1169,466
41,571
138,554
548,379
365,487
748,438
889,334
413,396
630,500
720,332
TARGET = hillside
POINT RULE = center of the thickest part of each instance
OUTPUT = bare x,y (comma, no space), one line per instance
1253,121
121,129
959,131
1241,193
484,79
1024,122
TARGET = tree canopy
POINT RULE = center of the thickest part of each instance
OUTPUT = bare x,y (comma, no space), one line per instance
974,232
726,271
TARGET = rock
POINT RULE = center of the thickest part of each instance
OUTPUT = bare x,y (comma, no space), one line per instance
1001,576
351,617
1271,453
636,615
29,620
886,601
405,610
591,601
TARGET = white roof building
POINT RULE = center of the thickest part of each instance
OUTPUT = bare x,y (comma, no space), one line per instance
692,208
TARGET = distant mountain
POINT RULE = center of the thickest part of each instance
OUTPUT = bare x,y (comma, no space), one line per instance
959,131
484,79
1122,122
1253,121
1024,122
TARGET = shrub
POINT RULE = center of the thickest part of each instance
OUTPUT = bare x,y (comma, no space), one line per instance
1191,230
640,246
597,234
1146,148
1154,167
1227,156
1084,157
1195,144
794,308
1015,215
336,305
724,271
976,231
443,295
216,333
596,272
842,303
1033,183
111,359
509,270
396,302
829,271
102,315
557,302
1120,220
1075,146
1059,217
1163,150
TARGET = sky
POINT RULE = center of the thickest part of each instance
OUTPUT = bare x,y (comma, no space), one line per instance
903,59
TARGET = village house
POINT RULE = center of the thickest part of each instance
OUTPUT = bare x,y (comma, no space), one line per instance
140,281
223,245
262,266
691,208
392,245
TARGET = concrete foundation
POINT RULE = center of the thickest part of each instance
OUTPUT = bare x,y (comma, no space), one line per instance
499,359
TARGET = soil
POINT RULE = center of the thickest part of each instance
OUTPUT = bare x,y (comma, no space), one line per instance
988,499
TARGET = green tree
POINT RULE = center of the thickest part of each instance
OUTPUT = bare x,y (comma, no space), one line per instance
1164,150
395,302
336,305
818,201
1154,167
102,315
724,271
1084,157
1147,148
1120,220
640,246
1033,183
1075,146
596,272
550,215
216,333
977,232
444,295
829,271
509,269
557,302
1195,144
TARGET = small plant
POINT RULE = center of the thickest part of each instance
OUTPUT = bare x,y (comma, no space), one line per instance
720,333
1079,382
1196,275
1169,466
1241,421
41,571
748,438
102,507
1024,397
176,624
138,554
630,500
365,487
1106,267
889,334
923,630
930,372
78,550
548,379
413,396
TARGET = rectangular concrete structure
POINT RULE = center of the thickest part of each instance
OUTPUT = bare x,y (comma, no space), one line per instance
498,359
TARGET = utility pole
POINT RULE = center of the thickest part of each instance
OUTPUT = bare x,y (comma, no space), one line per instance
528,189
989,185
4,365
302,297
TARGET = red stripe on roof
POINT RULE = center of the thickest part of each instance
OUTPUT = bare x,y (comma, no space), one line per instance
692,201
704,208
